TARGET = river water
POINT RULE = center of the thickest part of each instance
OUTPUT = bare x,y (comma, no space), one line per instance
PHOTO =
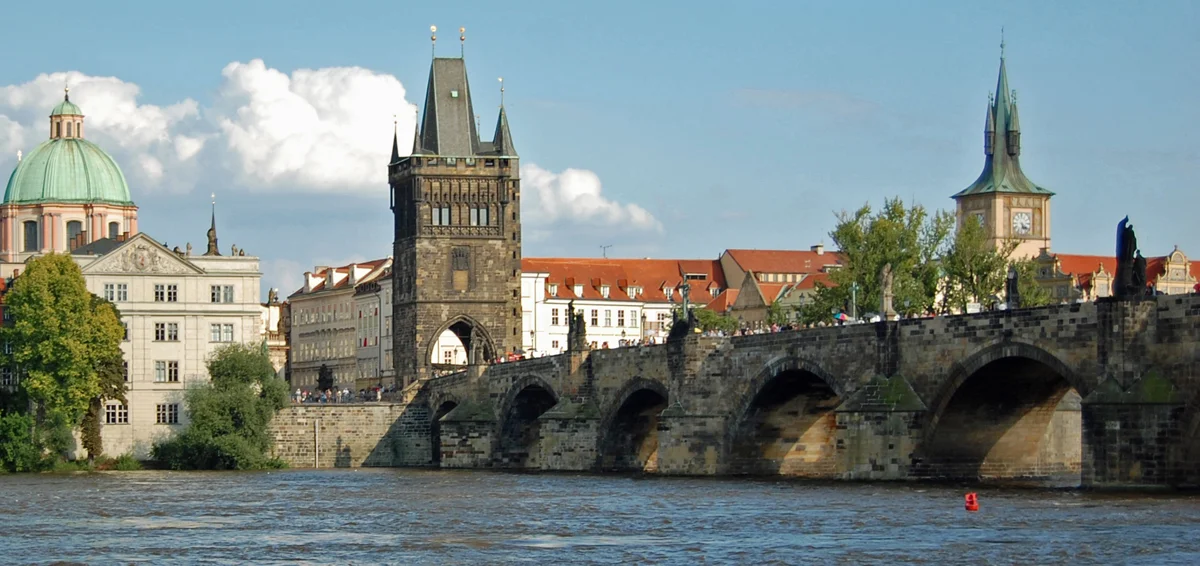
376,516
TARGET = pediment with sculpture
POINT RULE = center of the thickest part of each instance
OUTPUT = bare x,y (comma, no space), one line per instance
142,255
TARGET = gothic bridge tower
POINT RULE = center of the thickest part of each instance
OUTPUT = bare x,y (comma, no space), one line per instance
457,242
1003,199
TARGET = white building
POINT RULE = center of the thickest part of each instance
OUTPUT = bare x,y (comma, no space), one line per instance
373,304
327,327
68,195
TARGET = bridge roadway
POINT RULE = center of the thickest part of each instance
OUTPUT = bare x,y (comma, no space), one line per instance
1091,394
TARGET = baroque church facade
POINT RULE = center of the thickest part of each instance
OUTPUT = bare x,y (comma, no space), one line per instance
68,196
455,201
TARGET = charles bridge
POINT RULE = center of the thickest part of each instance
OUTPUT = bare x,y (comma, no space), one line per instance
1092,394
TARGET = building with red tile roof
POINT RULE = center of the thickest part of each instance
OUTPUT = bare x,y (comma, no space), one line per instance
1071,277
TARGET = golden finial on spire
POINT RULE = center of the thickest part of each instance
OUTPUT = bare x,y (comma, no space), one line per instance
214,199
66,91
462,41
1001,42
433,39
501,79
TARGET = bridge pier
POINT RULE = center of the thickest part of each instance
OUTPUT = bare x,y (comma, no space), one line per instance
1132,438
569,434
692,444
879,428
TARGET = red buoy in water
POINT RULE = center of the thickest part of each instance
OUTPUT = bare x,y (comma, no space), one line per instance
972,502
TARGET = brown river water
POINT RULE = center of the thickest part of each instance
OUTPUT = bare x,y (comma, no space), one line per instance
376,516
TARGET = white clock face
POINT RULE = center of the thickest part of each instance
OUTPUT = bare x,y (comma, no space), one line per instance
1022,223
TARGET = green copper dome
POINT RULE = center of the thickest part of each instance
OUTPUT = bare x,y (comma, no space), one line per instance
67,168
70,171
66,108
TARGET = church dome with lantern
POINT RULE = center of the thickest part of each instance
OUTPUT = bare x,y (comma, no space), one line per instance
64,193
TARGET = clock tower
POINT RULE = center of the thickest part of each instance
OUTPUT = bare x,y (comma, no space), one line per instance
1003,199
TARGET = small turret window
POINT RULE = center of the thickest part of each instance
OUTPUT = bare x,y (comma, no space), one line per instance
68,129
74,228
31,236
114,230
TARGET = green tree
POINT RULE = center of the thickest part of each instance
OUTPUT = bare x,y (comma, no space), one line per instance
59,337
907,238
711,320
20,450
111,371
975,270
229,415
1032,293
778,314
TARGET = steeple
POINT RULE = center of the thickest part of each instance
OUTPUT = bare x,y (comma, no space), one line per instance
1002,145
448,126
212,230
502,141
395,142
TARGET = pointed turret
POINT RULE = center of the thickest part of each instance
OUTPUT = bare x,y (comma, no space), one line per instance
395,144
212,231
502,141
416,148
1001,169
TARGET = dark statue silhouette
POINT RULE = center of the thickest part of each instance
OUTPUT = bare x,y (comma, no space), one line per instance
1131,266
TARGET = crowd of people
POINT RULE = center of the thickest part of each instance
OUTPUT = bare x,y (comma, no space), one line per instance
344,395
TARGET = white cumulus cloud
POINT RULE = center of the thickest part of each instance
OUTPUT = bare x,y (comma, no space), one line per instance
141,137
575,195
325,129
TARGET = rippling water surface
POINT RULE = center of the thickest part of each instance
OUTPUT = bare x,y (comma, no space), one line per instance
441,517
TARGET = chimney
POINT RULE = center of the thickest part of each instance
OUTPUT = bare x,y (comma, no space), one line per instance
819,249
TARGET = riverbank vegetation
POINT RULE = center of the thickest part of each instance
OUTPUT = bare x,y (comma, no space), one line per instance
229,415
62,348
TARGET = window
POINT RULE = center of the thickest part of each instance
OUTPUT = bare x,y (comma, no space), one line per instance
166,332
578,290
116,413
110,292
125,325
221,293
595,317
604,291
220,333
68,129
166,293
554,344
7,376
440,216
479,216
114,230
553,289
620,318
167,414
633,319
125,368
74,228
8,348
31,236
122,292
607,317
448,356
166,371
554,317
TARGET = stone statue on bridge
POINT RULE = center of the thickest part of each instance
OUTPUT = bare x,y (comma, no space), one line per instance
1130,282
1012,291
885,293
576,329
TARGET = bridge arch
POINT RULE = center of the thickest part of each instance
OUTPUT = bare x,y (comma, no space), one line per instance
1009,412
784,423
440,405
628,433
519,428
468,330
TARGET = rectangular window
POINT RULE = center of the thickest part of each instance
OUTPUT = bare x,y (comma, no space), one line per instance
633,319
448,356
620,318
116,413
554,290
479,216
7,376
172,332
8,348
554,317
440,216
595,317
110,292
554,344
160,293
160,371
160,331
167,413
122,292
214,333
125,325
172,294
125,369
607,317
227,333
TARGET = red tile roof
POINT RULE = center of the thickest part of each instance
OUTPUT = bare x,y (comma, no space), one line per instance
724,301
371,266
811,281
784,261
651,275
1083,266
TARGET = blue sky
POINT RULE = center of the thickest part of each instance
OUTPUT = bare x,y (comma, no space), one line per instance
687,128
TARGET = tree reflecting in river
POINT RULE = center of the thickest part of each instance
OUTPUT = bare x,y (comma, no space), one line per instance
437,517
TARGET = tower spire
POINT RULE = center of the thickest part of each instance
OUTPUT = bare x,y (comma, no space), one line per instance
395,139
462,43
212,230
433,41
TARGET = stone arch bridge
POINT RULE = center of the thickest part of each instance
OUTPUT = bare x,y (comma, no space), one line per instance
1092,394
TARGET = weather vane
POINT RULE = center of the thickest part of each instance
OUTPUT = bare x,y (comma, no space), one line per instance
433,39
501,91
462,41
1001,42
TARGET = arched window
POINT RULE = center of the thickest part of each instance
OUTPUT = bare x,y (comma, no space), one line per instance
114,230
31,235
68,129
74,228
54,129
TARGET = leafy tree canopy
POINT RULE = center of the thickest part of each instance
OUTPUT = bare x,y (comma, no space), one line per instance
229,415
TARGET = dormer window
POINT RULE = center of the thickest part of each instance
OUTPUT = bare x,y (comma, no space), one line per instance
669,291
454,94
604,291
553,289
578,290
633,292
